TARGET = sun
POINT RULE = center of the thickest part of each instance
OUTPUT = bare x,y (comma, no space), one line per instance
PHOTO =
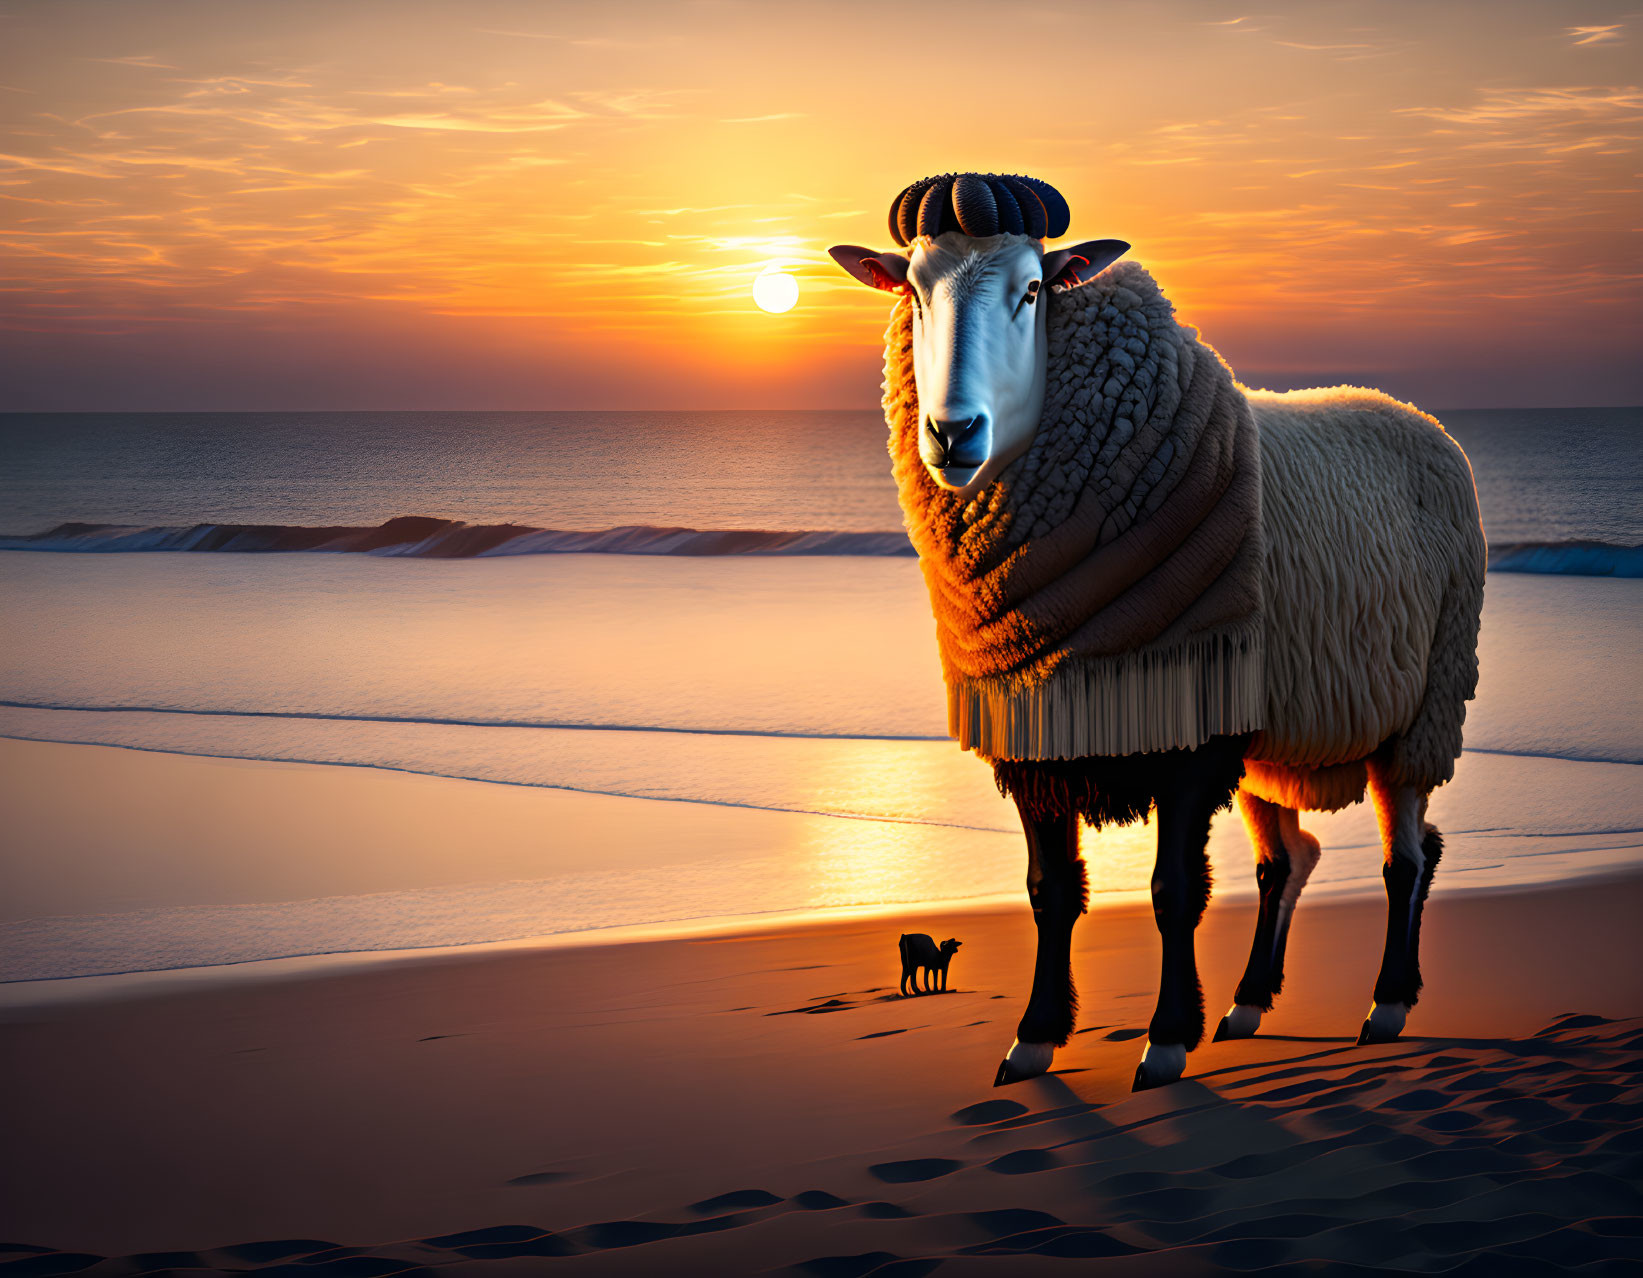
775,290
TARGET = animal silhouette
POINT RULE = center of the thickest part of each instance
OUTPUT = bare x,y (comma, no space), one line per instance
919,952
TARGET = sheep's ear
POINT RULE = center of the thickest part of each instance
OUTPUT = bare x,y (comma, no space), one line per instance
873,268
1069,267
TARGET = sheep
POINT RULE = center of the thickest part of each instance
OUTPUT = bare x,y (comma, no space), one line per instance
919,952
1156,590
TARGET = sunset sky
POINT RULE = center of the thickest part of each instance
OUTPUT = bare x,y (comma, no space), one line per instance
509,205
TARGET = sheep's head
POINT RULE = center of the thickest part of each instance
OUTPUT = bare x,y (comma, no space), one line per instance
949,947
976,270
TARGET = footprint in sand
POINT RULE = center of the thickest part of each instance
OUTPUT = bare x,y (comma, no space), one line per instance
913,1169
1453,1120
1066,1242
816,1007
498,1242
1575,1020
818,1200
1417,1101
884,1211
993,1111
883,1263
735,1200
1023,1161
262,1253
1009,1221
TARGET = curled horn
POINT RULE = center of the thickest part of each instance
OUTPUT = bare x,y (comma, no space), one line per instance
1035,220
1009,210
904,214
1055,207
933,208
973,202
895,218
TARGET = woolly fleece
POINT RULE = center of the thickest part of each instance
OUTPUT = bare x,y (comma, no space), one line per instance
1369,549
1374,572
1103,596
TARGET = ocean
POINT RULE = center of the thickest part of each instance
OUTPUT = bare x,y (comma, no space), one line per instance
672,611
1559,488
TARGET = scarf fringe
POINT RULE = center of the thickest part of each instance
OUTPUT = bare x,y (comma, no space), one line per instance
1170,698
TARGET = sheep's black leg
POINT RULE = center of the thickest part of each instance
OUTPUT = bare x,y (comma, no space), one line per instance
1188,795
1057,889
1180,891
1413,850
1285,856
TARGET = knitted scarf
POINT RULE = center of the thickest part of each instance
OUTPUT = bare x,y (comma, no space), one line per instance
1103,595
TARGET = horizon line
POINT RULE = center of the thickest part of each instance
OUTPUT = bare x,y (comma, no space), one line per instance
175,412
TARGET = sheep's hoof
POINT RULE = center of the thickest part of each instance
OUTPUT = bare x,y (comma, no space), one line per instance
1241,1022
1161,1064
1383,1024
1023,1061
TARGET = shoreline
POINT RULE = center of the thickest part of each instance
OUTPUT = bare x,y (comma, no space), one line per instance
195,869
19,997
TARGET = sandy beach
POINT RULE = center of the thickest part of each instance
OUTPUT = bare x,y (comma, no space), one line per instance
537,547
763,1101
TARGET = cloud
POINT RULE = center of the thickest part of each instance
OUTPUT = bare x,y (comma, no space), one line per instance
1343,51
542,118
1322,48
261,188
693,210
762,119
633,104
585,42
1597,35
1510,105
137,60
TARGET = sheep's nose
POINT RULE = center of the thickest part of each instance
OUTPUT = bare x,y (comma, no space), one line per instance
958,443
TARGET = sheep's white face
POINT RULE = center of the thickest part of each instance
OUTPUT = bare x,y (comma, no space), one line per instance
980,342
979,350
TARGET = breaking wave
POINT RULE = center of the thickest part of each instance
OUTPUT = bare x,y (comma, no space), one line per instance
423,536
1569,558
426,537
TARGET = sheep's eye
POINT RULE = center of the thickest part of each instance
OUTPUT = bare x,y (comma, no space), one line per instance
1032,292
